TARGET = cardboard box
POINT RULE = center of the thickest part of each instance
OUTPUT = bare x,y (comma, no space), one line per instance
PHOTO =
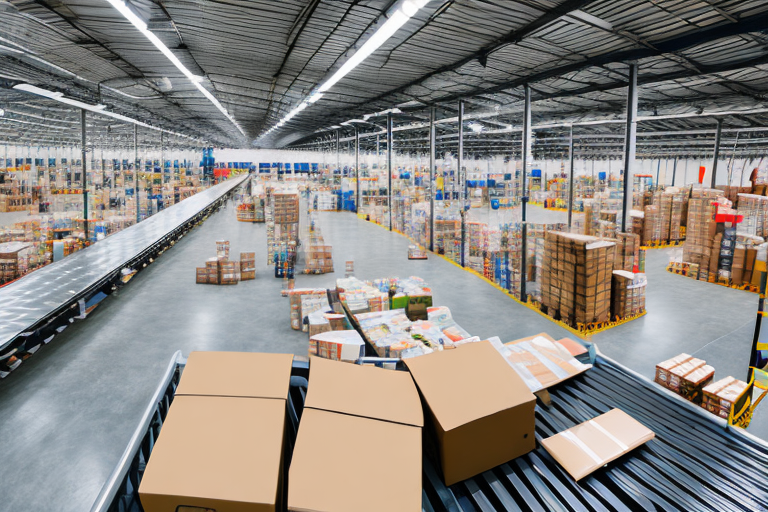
337,345
347,406
481,412
238,374
664,367
692,384
218,453
332,470
590,445
711,401
679,372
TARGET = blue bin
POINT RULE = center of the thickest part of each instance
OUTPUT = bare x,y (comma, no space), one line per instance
494,204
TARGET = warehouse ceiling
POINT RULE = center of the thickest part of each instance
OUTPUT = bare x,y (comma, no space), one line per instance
261,58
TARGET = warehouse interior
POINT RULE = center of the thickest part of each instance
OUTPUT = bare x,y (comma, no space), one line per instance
579,187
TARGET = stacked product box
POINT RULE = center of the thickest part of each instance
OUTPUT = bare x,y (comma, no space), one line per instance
726,249
743,264
627,250
319,259
286,209
628,294
637,225
685,375
228,272
701,230
247,266
721,395
576,278
677,216
653,224
295,297
754,209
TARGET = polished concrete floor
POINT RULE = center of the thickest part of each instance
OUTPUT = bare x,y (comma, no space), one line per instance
69,412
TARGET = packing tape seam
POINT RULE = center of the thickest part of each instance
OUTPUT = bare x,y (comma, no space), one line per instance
609,435
582,445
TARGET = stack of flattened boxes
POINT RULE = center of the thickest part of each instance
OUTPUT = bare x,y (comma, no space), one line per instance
576,277
700,235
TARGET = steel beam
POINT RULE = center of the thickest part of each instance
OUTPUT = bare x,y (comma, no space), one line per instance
459,174
629,146
136,171
357,169
716,156
525,154
432,182
570,180
85,172
389,168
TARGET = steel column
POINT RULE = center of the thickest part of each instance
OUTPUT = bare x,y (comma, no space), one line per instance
525,154
432,183
629,145
674,171
338,158
570,180
459,174
718,133
85,169
357,169
136,171
389,168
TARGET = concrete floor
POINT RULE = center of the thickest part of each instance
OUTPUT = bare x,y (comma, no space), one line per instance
69,412
11,218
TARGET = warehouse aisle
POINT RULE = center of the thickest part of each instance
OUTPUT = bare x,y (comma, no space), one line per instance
70,410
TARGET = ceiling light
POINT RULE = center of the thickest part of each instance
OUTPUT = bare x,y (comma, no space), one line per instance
2,112
476,127
195,79
400,16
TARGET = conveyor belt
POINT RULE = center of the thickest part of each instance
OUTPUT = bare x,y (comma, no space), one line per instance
27,303
695,463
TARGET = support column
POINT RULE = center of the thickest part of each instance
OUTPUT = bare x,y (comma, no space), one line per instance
357,169
389,168
570,180
459,174
658,173
136,171
85,170
718,134
338,159
162,157
674,171
629,145
432,183
525,153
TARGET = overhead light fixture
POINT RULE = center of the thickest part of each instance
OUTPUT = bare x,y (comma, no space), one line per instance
476,127
195,79
401,15
98,109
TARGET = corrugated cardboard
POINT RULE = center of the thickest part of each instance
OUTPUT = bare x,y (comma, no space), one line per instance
364,391
664,367
590,445
336,469
218,453
481,411
242,374
337,345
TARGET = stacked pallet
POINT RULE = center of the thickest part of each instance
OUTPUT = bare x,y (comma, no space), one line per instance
247,266
700,245
576,278
627,294
627,250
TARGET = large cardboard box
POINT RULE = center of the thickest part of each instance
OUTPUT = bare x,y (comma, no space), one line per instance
346,407
218,453
335,469
481,412
590,445
238,374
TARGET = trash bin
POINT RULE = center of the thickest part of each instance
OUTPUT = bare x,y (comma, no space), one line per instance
494,204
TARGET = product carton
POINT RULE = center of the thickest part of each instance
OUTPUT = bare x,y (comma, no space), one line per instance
664,367
711,401
590,445
338,345
677,373
217,453
481,412
347,406
239,374
693,383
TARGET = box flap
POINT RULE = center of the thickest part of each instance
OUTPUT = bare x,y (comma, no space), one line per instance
588,446
470,382
243,374
365,391
332,471
217,450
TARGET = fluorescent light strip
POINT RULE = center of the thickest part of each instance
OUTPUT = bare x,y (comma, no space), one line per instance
196,80
98,109
406,11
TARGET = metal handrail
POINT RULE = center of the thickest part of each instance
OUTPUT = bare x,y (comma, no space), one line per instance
107,494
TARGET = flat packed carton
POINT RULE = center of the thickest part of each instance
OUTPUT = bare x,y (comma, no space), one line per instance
346,407
590,445
481,413
239,374
217,453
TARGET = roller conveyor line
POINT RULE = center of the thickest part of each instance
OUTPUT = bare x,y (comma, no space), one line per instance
695,463
29,303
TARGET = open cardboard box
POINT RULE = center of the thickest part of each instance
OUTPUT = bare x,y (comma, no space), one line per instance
481,412
221,446
361,426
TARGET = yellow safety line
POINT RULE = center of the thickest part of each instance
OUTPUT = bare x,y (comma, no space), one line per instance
665,245
745,287
585,334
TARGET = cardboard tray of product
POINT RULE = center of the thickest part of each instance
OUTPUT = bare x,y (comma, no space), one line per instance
721,462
